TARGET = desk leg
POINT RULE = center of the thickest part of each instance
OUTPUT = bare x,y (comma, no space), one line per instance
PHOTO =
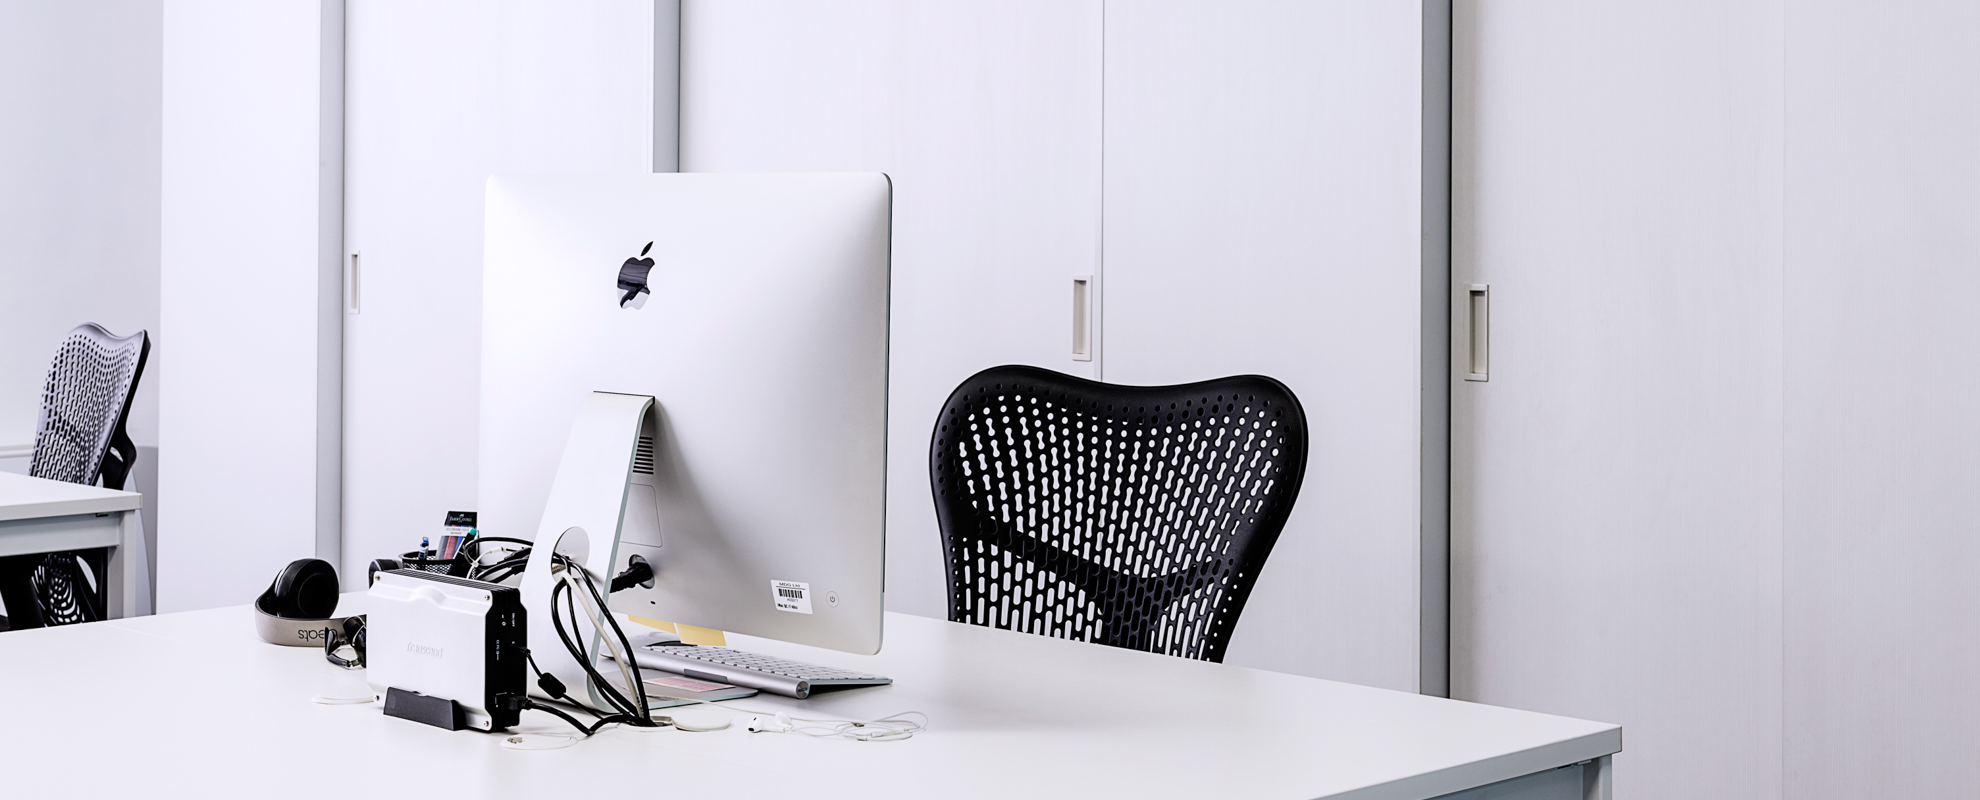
1595,779
123,569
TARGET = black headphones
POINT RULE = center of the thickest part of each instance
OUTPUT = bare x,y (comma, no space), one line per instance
350,635
298,607
305,589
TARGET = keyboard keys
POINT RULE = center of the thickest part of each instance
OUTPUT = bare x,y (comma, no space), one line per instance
738,659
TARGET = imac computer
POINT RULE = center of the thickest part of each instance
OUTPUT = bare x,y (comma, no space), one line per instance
690,371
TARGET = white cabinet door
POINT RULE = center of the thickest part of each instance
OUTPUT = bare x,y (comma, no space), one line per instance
248,175
1263,216
441,94
987,117
1616,519
1881,443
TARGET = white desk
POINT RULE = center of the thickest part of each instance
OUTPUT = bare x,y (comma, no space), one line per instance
194,704
43,516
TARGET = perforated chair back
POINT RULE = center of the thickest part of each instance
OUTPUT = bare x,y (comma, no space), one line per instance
1133,516
85,405
80,438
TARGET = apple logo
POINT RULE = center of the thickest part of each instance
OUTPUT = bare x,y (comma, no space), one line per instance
632,279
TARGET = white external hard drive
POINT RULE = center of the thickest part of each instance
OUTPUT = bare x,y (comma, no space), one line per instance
447,639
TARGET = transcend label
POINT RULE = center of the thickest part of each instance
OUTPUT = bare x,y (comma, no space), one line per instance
791,596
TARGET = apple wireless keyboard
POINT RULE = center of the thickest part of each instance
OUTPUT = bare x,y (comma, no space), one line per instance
751,670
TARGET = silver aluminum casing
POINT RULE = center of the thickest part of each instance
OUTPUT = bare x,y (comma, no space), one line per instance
757,370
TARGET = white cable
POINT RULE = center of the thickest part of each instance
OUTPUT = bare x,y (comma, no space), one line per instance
890,728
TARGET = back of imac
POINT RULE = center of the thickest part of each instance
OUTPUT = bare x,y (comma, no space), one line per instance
757,321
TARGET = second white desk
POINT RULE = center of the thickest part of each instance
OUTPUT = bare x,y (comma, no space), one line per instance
38,515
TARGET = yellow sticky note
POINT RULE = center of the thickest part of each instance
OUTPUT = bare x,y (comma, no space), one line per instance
654,623
694,635
688,633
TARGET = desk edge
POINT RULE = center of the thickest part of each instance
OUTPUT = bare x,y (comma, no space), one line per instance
1563,753
110,504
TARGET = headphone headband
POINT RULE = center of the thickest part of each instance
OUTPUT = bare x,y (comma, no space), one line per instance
299,605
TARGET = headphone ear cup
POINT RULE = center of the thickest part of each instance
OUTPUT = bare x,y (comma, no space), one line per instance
284,588
380,565
306,589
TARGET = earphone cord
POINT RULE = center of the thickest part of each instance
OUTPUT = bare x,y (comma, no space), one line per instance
892,727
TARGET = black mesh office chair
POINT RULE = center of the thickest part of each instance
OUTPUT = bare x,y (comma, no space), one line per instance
1134,516
80,439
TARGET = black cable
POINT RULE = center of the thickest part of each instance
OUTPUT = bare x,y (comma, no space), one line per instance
509,568
636,573
625,646
476,541
478,571
535,706
518,557
639,715
611,694
555,689
560,590
551,686
523,703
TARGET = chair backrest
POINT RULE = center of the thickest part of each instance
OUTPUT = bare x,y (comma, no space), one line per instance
85,405
1134,516
80,437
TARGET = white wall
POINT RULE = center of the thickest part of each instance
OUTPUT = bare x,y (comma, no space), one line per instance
1718,488
442,95
1262,193
246,139
79,167
987,117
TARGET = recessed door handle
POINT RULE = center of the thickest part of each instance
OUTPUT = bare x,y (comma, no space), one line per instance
351,286
1082,326
1479,311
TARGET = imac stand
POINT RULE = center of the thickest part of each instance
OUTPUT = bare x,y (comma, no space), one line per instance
582,521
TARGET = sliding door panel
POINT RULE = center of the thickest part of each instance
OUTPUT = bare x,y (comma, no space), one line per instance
1617,406
1263,192
443,93
986,115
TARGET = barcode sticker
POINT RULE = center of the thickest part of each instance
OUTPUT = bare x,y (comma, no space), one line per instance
791,596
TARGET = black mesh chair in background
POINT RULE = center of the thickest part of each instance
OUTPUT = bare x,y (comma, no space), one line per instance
80,438
1133,516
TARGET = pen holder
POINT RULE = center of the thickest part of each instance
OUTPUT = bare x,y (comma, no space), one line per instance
455,567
